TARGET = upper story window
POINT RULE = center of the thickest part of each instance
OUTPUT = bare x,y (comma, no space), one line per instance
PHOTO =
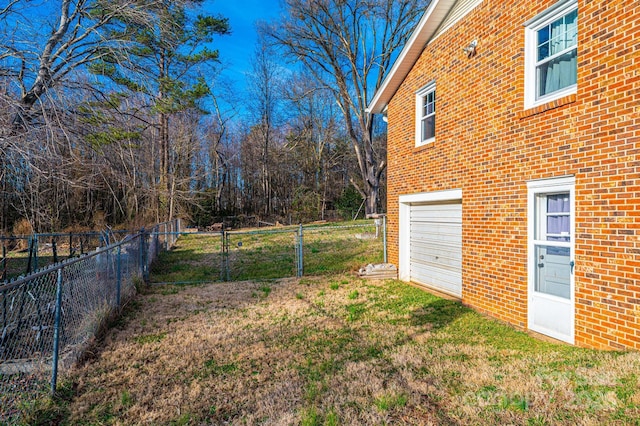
551,55
426,114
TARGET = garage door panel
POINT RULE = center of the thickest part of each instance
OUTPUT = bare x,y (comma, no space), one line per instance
445,259
444,235
426,209
437,216
433,251
434,277
442,238
442,219
435,228
443,267
437,275
435,241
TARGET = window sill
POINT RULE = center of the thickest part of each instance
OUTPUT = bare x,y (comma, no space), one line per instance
424,146
565,100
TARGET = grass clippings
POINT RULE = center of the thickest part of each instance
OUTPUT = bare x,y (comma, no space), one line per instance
308,352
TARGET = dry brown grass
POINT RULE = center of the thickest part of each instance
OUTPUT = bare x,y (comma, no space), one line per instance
339,351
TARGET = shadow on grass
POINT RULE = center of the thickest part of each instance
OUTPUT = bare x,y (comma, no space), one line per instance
438,313
349,338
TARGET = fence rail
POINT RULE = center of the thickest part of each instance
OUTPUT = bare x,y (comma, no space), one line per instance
274,253
47,318
23,254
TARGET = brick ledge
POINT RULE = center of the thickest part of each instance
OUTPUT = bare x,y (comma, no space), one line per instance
546,107
424,147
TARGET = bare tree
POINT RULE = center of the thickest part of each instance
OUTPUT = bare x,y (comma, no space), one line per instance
313,132
39,62
217,134
348,45
44,48
265,91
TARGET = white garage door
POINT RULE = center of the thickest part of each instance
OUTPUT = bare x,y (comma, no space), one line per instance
435,246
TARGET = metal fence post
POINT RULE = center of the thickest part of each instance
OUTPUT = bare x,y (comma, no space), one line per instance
166,236
146,246
118,275
176,230
222,254
384,237
35,254
56,333
4,262
156,239
36,304
54,249
226,257
300,252
141,252
30,260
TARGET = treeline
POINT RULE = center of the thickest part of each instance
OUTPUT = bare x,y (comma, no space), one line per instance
113,112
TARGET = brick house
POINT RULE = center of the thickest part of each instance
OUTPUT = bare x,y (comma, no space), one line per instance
514,163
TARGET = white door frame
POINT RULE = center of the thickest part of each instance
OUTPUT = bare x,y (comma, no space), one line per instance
404,218
535,188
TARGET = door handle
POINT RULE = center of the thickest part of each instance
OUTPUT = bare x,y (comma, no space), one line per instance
540,265
572,264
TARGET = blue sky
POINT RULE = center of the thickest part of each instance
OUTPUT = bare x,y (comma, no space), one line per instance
237,48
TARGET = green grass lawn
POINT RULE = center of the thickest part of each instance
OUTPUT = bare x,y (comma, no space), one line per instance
328,349
262,254
335,350
340,250
193,258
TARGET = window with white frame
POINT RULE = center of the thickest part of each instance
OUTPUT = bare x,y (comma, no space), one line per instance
551,55
426,114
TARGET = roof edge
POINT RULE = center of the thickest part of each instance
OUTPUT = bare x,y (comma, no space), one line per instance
429,23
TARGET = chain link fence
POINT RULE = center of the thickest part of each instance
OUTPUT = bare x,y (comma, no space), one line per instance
48,318
273,253
23,254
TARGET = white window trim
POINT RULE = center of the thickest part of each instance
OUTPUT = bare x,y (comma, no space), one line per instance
431,87
532,26
550,186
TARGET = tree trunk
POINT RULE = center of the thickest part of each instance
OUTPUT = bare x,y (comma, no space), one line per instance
164,181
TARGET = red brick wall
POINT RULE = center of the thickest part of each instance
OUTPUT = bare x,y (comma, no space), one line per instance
488,145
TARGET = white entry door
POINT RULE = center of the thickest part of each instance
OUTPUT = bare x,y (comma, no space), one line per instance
551,259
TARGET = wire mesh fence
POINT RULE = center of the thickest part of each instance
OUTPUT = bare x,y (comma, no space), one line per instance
333,249
23,254
272,253
49,317
261,254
